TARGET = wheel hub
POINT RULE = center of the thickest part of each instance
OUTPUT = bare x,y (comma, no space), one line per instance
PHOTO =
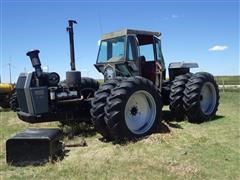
134,110
208,98
140,112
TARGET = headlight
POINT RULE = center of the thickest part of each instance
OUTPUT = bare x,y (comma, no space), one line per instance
109,73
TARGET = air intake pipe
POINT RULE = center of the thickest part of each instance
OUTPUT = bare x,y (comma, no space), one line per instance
36,63
50,79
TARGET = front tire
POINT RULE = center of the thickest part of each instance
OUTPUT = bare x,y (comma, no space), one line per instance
201,97
133,109
98,104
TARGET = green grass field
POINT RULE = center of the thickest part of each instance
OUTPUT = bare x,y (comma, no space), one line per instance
210,150
221,80
228,80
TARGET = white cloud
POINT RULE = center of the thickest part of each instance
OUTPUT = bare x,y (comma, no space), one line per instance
218,48
174,16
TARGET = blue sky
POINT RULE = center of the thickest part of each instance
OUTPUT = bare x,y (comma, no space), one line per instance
206,32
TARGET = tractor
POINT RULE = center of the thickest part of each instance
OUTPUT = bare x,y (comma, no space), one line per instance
42,97
128,105
6,90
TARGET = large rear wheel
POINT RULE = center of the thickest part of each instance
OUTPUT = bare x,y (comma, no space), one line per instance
88,87
133,109
201,97
176,96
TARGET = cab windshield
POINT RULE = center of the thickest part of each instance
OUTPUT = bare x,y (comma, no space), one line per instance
111,50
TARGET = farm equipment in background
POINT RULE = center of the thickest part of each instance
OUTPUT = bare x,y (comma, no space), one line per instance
41,97
6,91
129,103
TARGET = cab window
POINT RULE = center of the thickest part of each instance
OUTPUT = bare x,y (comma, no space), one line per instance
147,51
146,46
131,48
159,50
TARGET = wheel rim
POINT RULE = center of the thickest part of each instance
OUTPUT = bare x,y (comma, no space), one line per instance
140,112
208,98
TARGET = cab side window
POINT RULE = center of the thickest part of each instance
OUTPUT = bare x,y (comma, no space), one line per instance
147,51
158,50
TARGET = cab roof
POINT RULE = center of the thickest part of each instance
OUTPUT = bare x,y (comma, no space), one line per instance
124,32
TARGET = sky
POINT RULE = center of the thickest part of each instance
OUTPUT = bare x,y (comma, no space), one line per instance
206,32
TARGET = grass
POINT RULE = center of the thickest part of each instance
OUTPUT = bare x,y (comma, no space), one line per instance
228,80
221,80
210,150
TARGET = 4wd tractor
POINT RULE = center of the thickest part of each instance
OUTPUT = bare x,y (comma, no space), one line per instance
41,97
129,103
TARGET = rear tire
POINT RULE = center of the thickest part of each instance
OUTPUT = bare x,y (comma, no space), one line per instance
88,87
176,96
98,105
201,97
133,109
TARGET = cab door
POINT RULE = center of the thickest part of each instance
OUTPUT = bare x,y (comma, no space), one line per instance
159,62
148,57
132,55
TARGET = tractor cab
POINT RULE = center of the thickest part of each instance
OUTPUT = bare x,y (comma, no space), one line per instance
129,52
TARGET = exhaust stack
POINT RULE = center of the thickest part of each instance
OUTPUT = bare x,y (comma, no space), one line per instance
71,41
73,77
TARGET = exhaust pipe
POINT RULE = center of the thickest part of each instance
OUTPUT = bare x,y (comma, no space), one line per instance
71,41
73,77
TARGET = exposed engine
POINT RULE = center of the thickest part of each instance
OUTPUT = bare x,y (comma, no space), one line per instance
42,97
